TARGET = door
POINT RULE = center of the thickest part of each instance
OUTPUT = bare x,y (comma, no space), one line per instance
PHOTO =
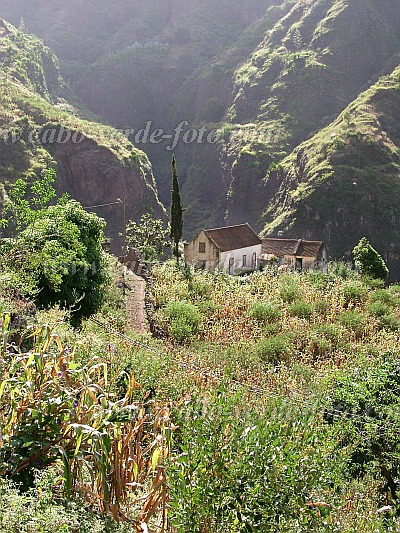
254,261
231,265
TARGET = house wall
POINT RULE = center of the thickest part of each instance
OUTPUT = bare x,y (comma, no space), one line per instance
208,259
320,262
235,259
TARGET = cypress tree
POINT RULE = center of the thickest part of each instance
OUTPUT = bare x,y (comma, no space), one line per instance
176,212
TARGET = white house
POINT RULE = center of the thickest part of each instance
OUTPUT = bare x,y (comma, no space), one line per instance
235,249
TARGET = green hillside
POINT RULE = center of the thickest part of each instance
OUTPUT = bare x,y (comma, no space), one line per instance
269,75
345,181
40,129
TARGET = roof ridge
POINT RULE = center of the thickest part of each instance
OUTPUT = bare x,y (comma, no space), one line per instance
228,227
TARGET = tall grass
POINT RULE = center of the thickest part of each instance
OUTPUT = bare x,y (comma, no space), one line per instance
112,450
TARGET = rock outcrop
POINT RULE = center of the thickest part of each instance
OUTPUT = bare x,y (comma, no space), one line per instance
95,164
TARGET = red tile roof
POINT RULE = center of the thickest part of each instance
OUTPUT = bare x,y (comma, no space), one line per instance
295,247
233,237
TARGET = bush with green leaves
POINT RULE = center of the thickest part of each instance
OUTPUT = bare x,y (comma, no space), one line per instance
368,261
342,270
368,396
61,251
390,322
275,349
149,236
237,470
378,309
301,309
355,321
289,290
325,339
184,320
354,293
57,247
386,296
265,312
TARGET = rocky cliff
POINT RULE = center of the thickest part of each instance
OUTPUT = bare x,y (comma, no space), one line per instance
344,182
270,75
95,163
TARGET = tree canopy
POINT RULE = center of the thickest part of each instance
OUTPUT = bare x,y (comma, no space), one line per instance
368,261
58,248
149,236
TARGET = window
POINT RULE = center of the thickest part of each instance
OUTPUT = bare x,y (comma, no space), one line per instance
244,262
202,247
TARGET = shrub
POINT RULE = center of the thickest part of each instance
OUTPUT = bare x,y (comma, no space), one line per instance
354,293
378,309
342,270
317,279
184,320
237,471
372,283
290,291
368,261
390,322
301,309
325,339
368,395
385,296
61,252
265,312
275,349
353,320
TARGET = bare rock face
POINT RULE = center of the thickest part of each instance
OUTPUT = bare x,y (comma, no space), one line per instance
95,164
93,175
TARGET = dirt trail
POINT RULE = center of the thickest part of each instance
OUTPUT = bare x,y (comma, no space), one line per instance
135,304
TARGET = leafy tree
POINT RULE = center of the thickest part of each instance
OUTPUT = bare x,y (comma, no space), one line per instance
28,202
176,212
368,261
58,248
149,236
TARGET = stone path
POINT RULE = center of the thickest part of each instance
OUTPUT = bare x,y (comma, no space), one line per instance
136,287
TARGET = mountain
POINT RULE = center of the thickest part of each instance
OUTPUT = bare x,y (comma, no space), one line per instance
345,180
275,78
39,129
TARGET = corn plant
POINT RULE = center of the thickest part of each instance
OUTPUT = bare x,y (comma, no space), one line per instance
112,450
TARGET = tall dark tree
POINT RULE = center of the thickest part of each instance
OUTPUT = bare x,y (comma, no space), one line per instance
176,212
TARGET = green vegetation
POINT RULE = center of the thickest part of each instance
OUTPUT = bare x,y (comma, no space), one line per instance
264,410
369,262
57,248
272,402
176,213
265,312
149,236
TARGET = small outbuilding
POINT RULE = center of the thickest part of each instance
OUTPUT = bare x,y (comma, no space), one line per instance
297,254
235,249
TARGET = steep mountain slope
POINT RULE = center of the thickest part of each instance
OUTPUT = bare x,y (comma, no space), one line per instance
268,74
344,182
129,60
95,163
